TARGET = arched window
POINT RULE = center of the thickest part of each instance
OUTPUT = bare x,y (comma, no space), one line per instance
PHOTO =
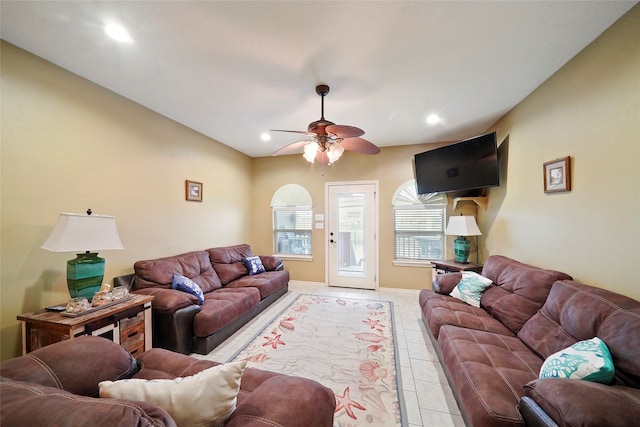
419,223
292,219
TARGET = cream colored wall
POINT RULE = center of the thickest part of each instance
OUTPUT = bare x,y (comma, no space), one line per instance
392,167
589,110
69,145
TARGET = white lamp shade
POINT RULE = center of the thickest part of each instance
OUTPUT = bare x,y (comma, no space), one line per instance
81,232
462,226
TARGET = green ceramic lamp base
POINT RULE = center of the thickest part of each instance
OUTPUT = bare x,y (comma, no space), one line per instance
85,274
461,249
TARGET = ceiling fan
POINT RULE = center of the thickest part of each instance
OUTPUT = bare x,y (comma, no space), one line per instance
329,140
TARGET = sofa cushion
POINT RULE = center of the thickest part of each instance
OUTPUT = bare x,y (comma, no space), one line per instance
227,261
439,310
223,307
576,312
487,372
587,360
519,289
271,262
158,273
267,282
30,404
204,399
57,365
187,285
253,264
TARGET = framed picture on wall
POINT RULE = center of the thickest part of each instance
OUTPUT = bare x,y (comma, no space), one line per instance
194,191
557,175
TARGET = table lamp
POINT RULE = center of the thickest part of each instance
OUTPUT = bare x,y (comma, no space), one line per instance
462,226
79,232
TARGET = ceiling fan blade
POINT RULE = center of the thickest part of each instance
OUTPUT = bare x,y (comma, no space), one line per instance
343,131
291,147
360,145
304,132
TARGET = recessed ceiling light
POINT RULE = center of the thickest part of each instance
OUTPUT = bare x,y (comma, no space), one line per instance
433,119
117,32
265,137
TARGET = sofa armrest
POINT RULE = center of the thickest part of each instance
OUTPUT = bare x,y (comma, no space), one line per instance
31,404
533,415
272,263
125,280
584,403
286,401
168,300
445,283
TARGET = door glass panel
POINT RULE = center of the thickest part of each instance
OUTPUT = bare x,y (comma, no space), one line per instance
351,235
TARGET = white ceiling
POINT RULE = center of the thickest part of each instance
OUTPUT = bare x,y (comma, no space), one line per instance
235,69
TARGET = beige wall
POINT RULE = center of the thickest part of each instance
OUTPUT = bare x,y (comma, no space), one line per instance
392,167
589,110
69,145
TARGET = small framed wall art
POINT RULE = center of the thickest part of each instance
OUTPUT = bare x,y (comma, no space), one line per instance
557,175
194,191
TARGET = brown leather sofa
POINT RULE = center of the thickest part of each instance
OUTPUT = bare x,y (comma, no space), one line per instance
58,385
232,297
492,355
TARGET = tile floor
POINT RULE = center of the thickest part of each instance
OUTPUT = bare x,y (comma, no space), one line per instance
427,396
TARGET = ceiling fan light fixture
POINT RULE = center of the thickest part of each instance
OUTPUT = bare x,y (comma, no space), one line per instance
310,151
330,140
334,152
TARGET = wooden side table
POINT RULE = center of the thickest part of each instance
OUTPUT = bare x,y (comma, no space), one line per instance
450,266
127,323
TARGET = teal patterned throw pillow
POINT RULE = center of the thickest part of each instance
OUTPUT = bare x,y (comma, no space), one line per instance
470,288
588,360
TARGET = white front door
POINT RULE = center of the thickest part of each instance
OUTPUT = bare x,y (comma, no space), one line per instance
352,244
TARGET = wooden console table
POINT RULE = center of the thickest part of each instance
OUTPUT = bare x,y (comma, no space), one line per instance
451,266
127,323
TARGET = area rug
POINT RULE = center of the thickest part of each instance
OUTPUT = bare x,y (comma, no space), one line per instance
344,343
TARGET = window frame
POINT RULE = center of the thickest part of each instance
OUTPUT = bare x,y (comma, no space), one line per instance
296,200
407,200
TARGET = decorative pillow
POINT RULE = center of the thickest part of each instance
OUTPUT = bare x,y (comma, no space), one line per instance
207,398
187,285
588,360
470,288
254,265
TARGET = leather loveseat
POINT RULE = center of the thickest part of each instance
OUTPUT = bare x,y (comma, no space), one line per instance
492,354
231,295
57,385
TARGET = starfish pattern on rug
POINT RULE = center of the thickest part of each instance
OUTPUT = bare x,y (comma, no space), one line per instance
374,324
345,402
274,341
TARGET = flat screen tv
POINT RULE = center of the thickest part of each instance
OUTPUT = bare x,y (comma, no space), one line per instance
464,166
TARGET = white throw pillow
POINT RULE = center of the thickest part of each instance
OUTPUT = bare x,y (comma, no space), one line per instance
470,288
588,360
207,398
